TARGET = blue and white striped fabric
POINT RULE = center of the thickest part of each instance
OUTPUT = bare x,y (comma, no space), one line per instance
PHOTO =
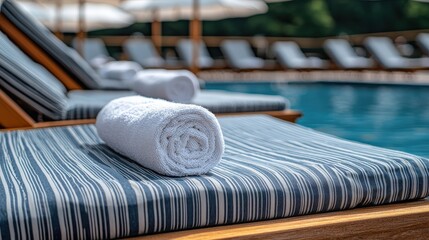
87,104
230,102
30,82
65,183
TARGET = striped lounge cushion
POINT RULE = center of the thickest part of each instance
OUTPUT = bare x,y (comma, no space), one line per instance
87,104
228,102
65,183
30,82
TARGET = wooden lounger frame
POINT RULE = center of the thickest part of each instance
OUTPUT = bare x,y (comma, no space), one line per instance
12,116
409,220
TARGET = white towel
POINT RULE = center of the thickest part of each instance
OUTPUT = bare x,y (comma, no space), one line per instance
120,70
179,86
170,138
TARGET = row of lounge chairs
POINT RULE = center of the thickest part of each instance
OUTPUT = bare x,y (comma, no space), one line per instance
239,54
65,183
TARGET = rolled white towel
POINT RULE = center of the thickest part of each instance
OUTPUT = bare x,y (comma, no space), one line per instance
120,70
170,138
179,86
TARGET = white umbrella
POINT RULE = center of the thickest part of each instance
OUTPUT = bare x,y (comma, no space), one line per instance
172,10
197,10
96,16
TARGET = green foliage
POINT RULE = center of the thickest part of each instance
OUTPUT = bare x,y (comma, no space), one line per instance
310,18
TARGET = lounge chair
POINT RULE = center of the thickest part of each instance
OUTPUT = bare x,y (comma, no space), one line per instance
94,51
184,49
92,48
143,52
66,183
422,40
239,55
344,56
290,56
384,51
44,96
42,46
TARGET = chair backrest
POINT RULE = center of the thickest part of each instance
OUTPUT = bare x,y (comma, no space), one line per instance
185,48
91,48
238,53
143,52
29,82
384,51
64,57
289,54
343,54
422,40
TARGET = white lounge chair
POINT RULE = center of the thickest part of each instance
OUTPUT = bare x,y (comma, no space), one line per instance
184,49
289,55
239,55
91,48
422,40
143,52
384,51
344,56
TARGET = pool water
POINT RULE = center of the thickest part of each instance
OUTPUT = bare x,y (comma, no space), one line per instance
395,117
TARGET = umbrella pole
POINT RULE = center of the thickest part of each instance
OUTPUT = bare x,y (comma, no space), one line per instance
195,35
156,30
58,19
81,35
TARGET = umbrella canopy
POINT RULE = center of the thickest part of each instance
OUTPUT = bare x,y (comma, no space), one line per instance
96,16
172,10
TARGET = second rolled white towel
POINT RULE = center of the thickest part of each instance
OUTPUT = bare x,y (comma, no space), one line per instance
170,138
173,85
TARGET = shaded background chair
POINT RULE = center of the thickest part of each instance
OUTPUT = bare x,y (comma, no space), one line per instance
184,49
143,52
422,41
387,55
239,55
344,56
91,48
289,55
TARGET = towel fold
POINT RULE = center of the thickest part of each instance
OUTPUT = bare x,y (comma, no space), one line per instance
179,86
120,70
170,138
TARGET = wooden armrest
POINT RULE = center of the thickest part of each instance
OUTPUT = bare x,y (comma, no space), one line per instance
53,124
286,115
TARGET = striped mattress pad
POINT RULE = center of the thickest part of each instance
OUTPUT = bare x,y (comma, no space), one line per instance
65,183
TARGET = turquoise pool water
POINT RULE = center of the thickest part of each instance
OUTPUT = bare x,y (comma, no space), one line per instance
395,117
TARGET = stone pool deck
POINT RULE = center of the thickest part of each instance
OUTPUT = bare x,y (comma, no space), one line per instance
366,76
